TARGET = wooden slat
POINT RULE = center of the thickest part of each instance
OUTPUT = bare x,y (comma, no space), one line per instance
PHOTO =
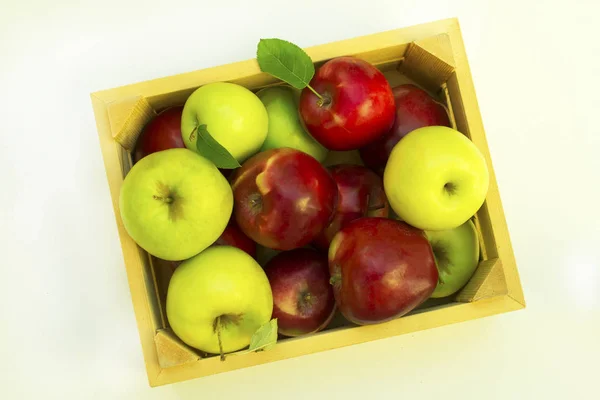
148,320
497,222
443,315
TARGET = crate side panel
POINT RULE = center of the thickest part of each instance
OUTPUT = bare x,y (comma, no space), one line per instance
495,212
462,125
343,337
249,73
141,294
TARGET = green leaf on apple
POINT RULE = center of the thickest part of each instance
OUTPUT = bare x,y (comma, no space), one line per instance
265,337
212,150
286,61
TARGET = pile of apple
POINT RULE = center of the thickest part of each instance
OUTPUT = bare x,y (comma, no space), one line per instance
233,170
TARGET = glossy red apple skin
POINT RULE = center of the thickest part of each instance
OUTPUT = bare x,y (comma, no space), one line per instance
233,236
303,300
163,132
381,269
415,108
358,104
283,198
360,194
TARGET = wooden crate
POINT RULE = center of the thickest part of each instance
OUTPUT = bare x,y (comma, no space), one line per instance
431,55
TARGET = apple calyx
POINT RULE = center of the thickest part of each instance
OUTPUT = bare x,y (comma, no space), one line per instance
450,188
256,203
305,301
218,325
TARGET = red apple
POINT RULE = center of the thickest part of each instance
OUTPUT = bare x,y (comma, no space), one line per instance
303,299
357,104
414,109
380,269
283,198
163,132
360,194
233,236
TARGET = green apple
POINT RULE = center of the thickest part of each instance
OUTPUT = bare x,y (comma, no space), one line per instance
285,126
234,116
435,178
220,294
456,253
351,157
175,203
264,254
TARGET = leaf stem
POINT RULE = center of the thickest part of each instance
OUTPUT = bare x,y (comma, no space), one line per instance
255,350
315,92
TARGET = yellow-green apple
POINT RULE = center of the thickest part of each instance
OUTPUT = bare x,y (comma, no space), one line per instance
456,253
360,194
175,203
220,295
354,105
285,125
163,132
303,299
283,198
436,178
415,108
380,269
234,116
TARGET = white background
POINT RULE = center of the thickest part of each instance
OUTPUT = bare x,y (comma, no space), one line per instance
67,325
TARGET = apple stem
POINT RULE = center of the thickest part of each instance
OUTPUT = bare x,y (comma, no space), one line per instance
193,134
218,329
167,199
321,99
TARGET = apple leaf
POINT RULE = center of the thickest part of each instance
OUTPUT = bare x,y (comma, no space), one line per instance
286,61
212,150
265,337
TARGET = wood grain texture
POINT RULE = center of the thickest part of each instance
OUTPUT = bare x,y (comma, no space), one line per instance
441,43
172,351
448,104
487,281
429,61
127,118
